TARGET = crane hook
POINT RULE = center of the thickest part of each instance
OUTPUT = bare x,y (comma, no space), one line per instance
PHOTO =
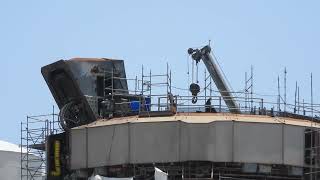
194,89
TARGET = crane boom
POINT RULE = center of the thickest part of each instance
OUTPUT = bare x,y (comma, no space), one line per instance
216,75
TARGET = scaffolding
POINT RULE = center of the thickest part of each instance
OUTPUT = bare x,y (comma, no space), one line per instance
312,152
163,84
155,93
34,132
248,90
140,91
158,88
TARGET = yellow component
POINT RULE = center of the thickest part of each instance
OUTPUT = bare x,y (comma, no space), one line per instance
57,163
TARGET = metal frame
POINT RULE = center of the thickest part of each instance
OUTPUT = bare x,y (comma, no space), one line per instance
248,101
312,170
34,132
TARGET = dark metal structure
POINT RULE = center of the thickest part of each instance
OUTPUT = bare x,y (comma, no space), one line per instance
85,89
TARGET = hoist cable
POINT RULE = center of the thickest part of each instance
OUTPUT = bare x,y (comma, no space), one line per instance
197,75
192,77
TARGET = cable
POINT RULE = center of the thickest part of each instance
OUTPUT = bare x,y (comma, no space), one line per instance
188,61
197,75
269,95
192,78
179,88
188,73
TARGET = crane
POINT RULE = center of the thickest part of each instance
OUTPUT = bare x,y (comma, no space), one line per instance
215,73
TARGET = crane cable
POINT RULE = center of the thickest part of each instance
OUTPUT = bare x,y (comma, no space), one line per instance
197,73
192,73
188,69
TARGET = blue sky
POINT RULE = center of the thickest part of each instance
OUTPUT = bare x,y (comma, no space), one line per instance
269,35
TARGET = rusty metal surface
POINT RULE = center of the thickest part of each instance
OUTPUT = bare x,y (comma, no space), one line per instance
86,70
93,59
203,118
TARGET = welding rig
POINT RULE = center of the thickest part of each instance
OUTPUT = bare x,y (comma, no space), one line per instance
106,128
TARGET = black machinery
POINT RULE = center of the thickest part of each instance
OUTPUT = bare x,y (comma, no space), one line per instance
86,89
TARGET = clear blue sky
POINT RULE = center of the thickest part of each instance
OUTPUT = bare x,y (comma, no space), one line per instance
269,34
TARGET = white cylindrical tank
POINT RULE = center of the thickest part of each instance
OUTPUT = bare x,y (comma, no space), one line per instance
10,161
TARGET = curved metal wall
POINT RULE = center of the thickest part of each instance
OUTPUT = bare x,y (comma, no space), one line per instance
218,141
10,166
